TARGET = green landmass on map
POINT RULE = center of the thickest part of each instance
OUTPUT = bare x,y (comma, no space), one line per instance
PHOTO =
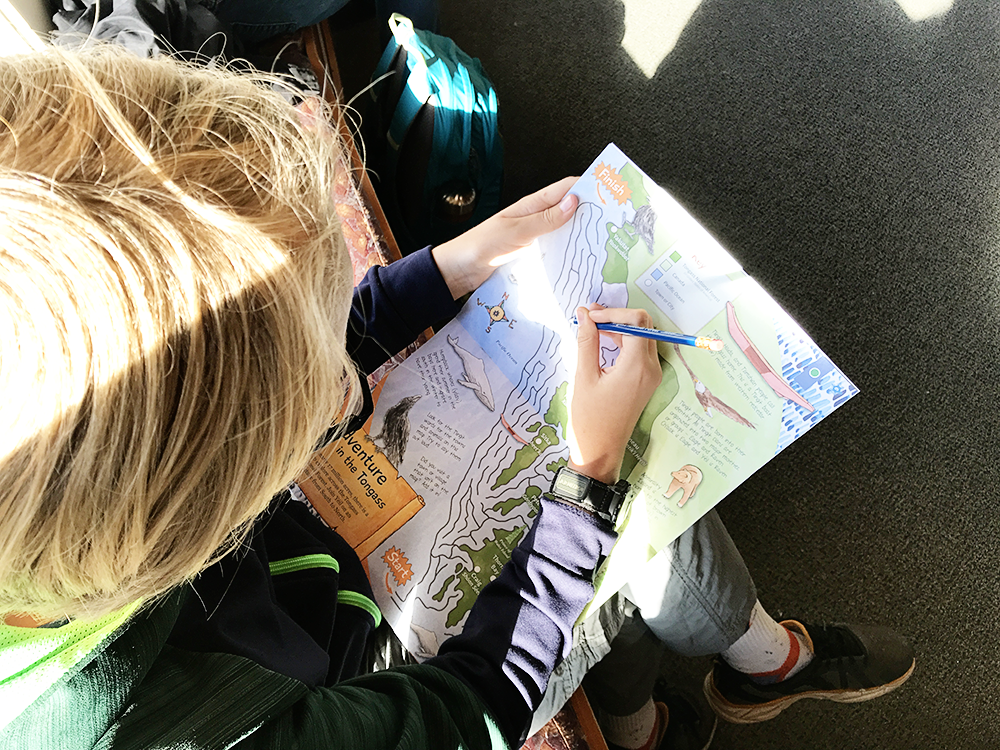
633,177
527,455
661,400
440,594
531,495
558,413
621,239
553,467
619,246
557,416
486,564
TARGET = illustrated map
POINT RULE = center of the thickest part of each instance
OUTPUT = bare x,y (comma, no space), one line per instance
476,419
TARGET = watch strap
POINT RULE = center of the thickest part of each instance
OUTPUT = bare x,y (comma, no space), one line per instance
598,498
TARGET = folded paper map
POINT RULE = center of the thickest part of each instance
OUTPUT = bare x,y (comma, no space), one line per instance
489,429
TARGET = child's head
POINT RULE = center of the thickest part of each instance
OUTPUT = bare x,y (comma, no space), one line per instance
174,290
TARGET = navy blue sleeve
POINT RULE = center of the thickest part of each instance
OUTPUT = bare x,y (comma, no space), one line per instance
521,625
393,305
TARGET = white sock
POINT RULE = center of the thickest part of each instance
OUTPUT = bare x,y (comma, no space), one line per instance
768,652
632,731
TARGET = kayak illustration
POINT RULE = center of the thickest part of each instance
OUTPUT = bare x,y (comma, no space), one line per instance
770,375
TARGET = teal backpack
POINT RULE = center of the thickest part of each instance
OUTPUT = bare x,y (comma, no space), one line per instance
431,138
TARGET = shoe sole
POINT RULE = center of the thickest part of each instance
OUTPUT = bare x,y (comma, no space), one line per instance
737,713
711,735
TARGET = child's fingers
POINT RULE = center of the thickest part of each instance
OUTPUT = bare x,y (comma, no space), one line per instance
633,316
538,213
630,346
547,197
523,230
588,344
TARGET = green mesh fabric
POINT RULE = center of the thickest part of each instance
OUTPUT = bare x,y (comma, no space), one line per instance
33,659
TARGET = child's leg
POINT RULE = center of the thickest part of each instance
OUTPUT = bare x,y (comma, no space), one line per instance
696,600
701,600
636,709
622,681
768,652
697,596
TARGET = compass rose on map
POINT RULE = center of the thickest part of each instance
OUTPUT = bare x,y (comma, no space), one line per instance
496,313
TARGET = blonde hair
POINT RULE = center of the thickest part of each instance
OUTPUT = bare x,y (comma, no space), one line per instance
174,289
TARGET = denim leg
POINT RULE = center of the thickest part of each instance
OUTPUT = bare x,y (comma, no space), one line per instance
257,20
696,594
592,640
622,681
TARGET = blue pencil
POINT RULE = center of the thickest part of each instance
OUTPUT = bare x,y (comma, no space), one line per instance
702,342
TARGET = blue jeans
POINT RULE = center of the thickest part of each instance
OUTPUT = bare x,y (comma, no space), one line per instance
698,596
254,21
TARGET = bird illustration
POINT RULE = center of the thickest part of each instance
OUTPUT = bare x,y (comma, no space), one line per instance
396,430
708,401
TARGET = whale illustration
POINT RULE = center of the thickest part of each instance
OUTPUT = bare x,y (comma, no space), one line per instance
474,376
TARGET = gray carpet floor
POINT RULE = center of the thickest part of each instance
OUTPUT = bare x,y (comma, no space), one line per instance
846,153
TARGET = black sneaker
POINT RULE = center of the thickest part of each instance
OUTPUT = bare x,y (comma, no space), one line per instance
852,663
690,725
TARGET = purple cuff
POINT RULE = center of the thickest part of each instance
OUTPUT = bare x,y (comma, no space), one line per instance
521,626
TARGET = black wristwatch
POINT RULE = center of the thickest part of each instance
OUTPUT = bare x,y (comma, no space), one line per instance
603,500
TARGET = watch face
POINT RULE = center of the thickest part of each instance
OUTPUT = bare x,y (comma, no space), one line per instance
571,485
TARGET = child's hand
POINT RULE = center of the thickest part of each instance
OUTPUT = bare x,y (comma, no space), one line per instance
468,260
605,404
